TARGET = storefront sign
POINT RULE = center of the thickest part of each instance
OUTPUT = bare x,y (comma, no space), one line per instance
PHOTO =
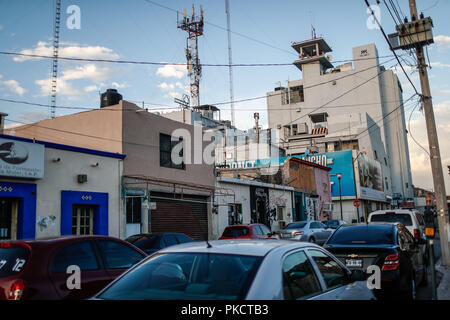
21,159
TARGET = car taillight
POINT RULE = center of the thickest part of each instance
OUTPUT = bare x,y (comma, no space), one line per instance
391,262
16,291
416,234
298,233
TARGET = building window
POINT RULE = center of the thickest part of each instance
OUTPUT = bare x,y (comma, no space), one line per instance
166,145
82,220
134,207
375,154
297,94
385,161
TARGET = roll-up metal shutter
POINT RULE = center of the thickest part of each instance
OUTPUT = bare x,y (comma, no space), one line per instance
176,215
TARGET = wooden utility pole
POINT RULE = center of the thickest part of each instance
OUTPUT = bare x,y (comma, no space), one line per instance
435,156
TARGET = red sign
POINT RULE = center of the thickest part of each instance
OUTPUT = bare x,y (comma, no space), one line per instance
357,203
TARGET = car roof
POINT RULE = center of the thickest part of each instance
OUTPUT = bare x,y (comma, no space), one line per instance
381,225
60,239
247,247
396,211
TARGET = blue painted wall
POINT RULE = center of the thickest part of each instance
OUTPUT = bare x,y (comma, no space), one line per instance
98,199
26,217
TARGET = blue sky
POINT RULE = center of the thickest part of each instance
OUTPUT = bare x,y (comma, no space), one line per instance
141,31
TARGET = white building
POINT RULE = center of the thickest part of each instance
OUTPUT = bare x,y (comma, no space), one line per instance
235,199
49,189
357,105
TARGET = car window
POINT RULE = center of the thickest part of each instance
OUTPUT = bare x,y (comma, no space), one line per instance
257,230
187,276
332,223
182,238
404,218
299,279
420,219
265,230
234,232
315,225
333,274
362,234
170,240
12,260
80,254
118,255
295,225
149,242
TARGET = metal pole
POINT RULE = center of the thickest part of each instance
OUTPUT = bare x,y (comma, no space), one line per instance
435,157
340,197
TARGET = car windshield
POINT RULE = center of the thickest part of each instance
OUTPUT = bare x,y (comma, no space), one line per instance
295,225
368,234
12,260
332,223
235,232
186,276
149,242
403,218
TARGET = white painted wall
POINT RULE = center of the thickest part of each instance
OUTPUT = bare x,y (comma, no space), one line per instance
62,175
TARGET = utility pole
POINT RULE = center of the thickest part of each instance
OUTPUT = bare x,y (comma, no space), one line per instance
435,157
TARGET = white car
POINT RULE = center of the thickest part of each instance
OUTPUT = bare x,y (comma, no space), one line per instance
240,269
410,218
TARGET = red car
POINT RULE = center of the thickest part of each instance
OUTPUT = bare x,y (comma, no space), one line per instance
247,231
38,269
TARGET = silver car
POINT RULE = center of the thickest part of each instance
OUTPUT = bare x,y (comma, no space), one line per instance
239,269
310,231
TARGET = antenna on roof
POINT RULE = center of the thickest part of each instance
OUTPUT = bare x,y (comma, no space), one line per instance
313,32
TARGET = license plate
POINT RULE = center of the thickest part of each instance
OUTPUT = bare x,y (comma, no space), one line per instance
286,235
354,263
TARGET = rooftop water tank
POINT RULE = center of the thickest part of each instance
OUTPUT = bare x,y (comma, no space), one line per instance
109,98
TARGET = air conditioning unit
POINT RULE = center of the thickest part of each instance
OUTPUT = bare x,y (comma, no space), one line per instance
302,128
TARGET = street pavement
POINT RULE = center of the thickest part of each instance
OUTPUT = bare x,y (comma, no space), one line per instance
442,278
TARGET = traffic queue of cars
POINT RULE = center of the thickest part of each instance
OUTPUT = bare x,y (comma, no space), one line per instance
243,264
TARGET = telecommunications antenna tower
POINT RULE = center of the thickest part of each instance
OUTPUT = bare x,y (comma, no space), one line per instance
194,27
55,57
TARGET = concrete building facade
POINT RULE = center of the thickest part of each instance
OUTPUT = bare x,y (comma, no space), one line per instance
357,105
157,193
49,189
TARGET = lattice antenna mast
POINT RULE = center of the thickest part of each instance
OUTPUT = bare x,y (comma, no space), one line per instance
55,57
230,62
194,27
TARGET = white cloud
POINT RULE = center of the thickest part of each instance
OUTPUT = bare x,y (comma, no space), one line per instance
171,71
119,85
420,162
72,50
91,88
63,88
1,27
88,71
13,86
439,65
442,41
164,86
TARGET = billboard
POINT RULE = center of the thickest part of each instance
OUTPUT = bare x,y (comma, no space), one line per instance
21,159
370,179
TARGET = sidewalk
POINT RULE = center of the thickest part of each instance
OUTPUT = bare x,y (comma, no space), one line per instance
443,289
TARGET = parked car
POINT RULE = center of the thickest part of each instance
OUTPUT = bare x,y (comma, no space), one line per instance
411,219
37,269
247,231
310,231
152,242
334,224
389,246
239,269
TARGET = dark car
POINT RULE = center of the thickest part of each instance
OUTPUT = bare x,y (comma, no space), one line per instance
247,231
152,242
38,269
334,224
389,246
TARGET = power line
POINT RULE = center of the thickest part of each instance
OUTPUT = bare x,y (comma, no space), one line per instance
170,63
410,132
390,46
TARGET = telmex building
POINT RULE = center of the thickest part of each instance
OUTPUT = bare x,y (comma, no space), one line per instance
155,193
357,105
